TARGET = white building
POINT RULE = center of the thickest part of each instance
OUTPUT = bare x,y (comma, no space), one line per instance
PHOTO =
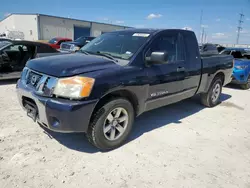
45,27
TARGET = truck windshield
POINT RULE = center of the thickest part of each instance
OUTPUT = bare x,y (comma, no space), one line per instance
118,45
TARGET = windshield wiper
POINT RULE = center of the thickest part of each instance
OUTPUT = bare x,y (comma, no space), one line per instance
106,55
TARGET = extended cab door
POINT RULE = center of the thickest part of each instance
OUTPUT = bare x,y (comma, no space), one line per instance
167,80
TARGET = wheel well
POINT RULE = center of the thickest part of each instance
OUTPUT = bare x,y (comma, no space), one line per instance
220,75
118,94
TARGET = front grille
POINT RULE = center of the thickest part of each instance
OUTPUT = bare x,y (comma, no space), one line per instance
41,84
65,46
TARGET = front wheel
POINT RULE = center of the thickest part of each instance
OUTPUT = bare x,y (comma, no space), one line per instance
111,124
246,85
212,97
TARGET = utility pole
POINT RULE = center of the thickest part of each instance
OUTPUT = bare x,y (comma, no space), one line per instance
205,38
201,26
239,28
202,35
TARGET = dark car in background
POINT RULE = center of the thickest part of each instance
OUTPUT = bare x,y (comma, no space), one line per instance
15,54
75,45
56,42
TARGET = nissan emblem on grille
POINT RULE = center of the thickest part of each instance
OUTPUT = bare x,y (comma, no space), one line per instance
33,79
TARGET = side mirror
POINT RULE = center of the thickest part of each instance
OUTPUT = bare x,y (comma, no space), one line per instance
158,58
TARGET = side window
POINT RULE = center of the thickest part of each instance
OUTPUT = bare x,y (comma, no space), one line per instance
181,53
16,48
25,48
173,45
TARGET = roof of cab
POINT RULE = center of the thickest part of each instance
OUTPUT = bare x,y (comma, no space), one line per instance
150,31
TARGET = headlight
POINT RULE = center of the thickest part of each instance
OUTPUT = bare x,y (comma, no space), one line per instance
74,48
241,67
24,73
74,87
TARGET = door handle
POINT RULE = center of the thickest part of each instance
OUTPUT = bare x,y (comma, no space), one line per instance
180,69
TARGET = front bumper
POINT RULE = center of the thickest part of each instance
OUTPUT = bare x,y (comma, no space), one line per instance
60,115
239,76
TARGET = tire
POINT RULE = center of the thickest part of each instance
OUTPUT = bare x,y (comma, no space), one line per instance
207,99
246,85
101,123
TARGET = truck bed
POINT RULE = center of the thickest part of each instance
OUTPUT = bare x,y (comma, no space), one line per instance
213,64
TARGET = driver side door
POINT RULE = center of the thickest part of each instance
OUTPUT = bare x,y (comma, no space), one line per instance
166,79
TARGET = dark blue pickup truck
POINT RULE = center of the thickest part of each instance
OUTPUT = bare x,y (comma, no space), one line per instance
116,77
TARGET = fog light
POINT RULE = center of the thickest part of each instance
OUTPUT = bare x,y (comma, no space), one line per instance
55,122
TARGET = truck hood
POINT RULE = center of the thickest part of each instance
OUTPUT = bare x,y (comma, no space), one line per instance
70,64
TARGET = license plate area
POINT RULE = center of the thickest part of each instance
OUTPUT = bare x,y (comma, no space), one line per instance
31,108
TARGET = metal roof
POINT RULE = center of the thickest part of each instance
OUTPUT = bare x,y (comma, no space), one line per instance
63,18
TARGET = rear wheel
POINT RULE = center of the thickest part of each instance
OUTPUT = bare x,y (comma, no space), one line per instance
246,85
111,124
211,98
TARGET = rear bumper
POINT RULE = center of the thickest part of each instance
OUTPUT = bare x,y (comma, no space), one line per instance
58,115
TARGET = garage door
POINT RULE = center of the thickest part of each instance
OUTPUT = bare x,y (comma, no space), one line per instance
81,31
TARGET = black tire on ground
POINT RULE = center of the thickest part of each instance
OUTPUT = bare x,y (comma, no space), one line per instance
246,85
96,135
206,98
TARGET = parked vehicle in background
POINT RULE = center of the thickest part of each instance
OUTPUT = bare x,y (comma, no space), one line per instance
56,42
220,47
75,45
116,77
15,54
208,49
241,71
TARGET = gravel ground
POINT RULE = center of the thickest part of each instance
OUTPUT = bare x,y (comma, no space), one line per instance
181,145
